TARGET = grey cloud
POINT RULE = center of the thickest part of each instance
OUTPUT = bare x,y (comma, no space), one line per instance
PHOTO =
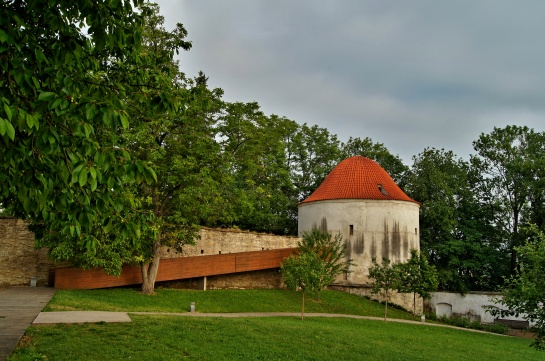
409,74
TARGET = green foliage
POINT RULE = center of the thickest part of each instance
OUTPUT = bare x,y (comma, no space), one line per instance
260,194
524,292
330,250
386,280
465,322
417,276
305,272
175,132
312,153
379,153
64,165
457,232
511,163
215,301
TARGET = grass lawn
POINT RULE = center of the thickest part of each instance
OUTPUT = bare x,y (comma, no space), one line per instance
284,338
159,337
168,300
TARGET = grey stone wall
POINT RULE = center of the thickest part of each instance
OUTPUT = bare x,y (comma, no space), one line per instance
218,241
265,279
19,260
404,300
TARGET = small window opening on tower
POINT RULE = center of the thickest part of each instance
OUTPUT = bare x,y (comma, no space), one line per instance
382,190
202,251
416,231
351,229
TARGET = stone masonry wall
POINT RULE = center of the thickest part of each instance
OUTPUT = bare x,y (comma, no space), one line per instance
19,260
404,300
265,279
218,241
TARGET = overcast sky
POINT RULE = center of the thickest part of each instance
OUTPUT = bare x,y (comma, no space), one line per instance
409,74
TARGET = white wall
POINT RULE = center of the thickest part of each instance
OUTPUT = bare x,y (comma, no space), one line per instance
469,305
381,229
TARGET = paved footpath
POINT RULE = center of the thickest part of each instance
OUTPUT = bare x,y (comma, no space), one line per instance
103,316
19,306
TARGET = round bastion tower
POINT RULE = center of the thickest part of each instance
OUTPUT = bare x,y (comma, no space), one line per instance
360,200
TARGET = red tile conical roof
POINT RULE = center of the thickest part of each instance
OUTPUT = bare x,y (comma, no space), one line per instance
358,178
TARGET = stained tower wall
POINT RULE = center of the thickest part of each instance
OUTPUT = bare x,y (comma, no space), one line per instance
370,228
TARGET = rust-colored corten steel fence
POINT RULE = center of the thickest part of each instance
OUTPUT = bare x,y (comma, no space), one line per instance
174,269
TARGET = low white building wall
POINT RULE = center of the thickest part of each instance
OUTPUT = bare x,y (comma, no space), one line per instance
471,305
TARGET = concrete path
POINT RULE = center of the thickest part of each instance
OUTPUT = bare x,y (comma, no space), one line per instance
81,317
19,306
101,316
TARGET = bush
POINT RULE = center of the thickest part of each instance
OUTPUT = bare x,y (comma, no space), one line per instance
464,322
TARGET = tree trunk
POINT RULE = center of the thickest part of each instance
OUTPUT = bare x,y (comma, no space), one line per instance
149,271
514,241
303,307
414,303
385,306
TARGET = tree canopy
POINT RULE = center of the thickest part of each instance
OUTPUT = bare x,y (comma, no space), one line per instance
524,292
110,151
457,234
305,272
510,161
64,165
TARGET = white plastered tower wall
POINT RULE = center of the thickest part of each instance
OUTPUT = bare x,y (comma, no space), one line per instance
370,229
359,200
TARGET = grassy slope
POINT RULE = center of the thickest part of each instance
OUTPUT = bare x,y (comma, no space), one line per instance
175,338
218,301
153,337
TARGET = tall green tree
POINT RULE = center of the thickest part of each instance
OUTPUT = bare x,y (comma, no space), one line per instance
180,144
314,152
386,280
254,149
331,250
63,163
456,232
524,292
511,162
417,276
306,273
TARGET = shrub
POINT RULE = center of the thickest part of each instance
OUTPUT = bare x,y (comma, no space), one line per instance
460,321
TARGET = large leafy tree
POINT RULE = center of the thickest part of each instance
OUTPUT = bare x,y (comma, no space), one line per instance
63,163
179,142
313,152
511,162
456,232
253,146
524,292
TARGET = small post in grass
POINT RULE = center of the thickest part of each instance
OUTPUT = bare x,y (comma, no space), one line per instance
192,307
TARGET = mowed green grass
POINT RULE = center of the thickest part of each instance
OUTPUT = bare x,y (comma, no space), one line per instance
157,337
168,300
